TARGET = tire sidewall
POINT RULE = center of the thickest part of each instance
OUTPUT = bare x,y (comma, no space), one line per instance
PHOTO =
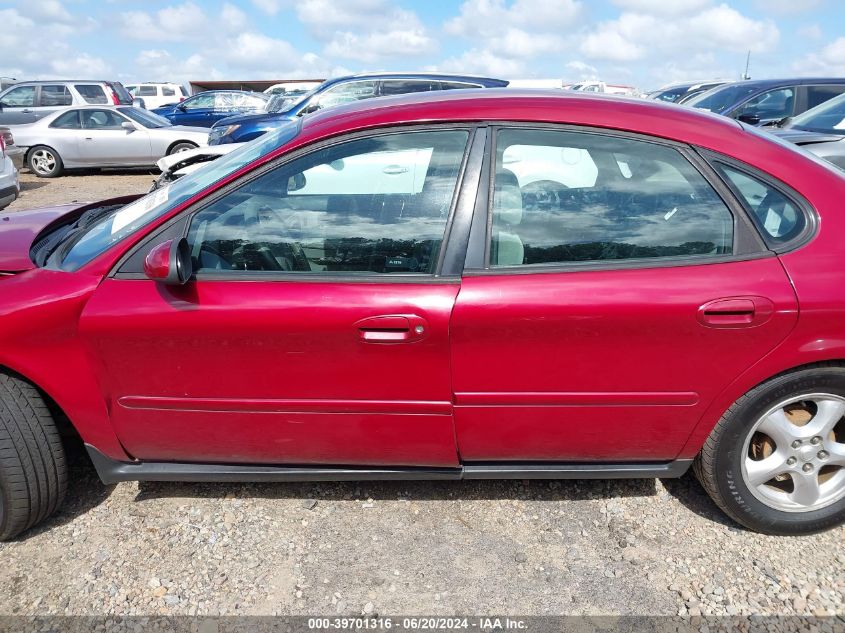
735,492
184,145
56,169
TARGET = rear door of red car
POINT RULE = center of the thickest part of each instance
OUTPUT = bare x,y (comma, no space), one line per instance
613,290
316,330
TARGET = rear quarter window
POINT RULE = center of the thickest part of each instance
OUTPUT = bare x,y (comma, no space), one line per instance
92,93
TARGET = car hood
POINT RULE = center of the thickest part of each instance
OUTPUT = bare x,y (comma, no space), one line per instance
268,117
180,129
804,137
18,230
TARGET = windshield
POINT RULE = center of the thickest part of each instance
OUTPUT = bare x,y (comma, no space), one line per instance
122,222
723,97
145,118
828,118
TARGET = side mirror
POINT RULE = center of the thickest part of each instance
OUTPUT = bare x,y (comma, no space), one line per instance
138,102
751,119
181,107
169,262
128,126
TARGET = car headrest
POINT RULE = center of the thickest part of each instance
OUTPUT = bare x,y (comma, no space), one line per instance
507,198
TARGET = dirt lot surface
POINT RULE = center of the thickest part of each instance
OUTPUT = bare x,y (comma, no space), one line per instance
80,186
590,547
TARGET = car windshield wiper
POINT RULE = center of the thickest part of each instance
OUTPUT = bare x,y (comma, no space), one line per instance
47,245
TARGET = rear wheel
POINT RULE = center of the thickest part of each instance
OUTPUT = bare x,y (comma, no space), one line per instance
181,147
44,161
776,460
33,473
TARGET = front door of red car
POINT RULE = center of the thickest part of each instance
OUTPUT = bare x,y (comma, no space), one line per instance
315,331
618,295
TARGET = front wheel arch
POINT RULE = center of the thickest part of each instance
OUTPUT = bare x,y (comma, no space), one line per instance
186,145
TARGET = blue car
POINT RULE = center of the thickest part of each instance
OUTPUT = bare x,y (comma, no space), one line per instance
206,108
239,129
768,101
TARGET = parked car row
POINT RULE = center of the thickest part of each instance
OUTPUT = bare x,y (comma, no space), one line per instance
236,116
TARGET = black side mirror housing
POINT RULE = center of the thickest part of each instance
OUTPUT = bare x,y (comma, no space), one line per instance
750,119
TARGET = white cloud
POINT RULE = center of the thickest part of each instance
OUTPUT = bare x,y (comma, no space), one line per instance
486,18
640,36
829,61
369,31
176,23
53,57
506,36
662,7
375,47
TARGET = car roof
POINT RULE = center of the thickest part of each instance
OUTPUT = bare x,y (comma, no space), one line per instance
525,105
485,81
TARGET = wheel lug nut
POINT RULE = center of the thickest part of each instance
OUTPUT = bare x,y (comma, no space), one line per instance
791,461
796,443
816,440
823,454
807,468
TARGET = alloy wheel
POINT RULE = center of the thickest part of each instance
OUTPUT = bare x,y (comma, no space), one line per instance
43,161
794,457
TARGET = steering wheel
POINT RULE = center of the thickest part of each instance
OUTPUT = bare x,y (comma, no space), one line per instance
544,192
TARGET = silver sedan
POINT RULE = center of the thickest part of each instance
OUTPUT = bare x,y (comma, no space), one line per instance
102,136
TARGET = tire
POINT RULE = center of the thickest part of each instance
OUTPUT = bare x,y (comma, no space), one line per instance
796,421
33,471
182,146
44,162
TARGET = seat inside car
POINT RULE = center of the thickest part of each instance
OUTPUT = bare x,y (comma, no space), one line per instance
506,248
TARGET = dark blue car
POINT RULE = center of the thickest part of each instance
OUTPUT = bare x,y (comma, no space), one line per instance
768,101
206,108
239,129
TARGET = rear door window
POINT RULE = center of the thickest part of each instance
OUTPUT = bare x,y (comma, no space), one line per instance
146,91
101,120
167,92
55,95
92,93
564,197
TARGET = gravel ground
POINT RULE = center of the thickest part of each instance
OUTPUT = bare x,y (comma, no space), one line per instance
80,186
521,548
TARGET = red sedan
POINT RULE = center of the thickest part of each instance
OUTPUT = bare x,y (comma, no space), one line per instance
494,284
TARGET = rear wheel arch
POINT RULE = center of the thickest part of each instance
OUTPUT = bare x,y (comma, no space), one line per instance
739,388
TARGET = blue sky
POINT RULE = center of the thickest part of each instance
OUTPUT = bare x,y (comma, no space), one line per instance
644,43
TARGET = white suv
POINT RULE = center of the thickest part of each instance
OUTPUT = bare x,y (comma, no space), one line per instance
156,95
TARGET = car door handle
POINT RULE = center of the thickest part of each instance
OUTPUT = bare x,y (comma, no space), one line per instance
734,312
26,111
392,328
395,170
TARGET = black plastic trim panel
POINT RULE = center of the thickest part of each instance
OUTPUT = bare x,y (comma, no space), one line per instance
111,471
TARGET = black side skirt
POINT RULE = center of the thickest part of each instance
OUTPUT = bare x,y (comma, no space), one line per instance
111,471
